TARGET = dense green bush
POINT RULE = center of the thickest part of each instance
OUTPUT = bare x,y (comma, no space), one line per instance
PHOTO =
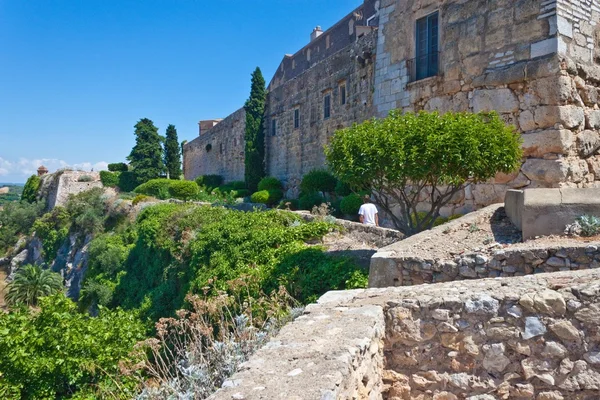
237,185
309,200
53,229
56,352
397,157
260,197
240,193
16,219
158,188
318,180
127,181
210,182
184,190
109,179
87,211
117,167
269,183
341,189
31,189
140,198
351,204
275,195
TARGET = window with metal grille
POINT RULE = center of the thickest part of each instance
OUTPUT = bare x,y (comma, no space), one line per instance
426,62
296,118
327,106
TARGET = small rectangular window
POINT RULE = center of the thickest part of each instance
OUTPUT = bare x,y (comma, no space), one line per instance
296,118
426,63
273,127
327,106
343,94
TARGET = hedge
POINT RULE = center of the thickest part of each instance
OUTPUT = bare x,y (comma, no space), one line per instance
109,179
183,190
210,182
158,188
318,180
269,183
118,167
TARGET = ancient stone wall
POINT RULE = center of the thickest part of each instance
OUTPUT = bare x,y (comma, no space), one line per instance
218,151
293,151
533,337
57,187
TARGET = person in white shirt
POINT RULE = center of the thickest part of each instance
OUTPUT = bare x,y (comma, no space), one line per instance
368,212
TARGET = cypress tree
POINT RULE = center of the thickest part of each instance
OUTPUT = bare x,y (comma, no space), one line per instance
146,157
254,135
172,153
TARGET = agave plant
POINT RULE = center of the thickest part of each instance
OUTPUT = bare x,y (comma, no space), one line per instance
30,283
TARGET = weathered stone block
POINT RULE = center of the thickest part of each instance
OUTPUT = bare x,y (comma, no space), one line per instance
588,142
500,100
569,116
538,144
547,171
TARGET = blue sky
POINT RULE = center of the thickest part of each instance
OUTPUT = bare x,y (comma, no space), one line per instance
75,76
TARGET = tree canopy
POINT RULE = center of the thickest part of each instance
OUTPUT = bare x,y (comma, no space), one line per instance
172,153
31,189
407,159
255,137
146,157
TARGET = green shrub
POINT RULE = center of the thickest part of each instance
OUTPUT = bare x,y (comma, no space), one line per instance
109,179
274,196
392,156
341,189
31,188
127,181
158,188
261,196
184,190
87,211
140,198
308,201
318,180
351,204
85,178
209,181
52,229
240,193
237,185
269,183
16,219
590,225
117,167
291,204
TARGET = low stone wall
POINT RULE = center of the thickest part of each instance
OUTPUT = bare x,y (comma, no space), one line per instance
532,337
542,212
57,187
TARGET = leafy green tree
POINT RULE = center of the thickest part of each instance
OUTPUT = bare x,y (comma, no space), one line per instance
146,157
31,189
16,219
56,352
407,157
255,136
172,153
32,282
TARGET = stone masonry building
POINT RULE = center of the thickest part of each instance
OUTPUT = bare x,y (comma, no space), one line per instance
535,62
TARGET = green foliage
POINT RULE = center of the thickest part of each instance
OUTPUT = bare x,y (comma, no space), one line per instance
318,180
127,181
31,189
16,219
209,182
109,179
52,229
30,283
158,188
269,183
275,195
260,197
237,185
87,211
14,194
146,157
172,153
118,167
341,189
398,157
85,178
140,198
309,200
254,135
57,352
184,190
240,193
589,224
289,204
351,204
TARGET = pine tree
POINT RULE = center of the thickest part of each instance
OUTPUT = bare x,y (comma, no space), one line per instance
172,153
146,157
255,136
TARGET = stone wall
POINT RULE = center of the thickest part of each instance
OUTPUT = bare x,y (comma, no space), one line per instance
533,337
218,151
292,152
57,187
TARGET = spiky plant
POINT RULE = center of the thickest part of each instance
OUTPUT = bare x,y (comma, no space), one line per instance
30,283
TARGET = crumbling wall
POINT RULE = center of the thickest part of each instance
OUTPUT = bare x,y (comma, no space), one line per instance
57,187
219,151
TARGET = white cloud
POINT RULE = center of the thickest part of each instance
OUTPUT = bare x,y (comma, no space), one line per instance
25,167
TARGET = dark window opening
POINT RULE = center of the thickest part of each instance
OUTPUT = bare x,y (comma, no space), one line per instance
343,94
296,118
426,62
273,127
327,106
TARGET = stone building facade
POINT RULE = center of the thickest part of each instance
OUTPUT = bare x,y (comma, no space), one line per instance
535,62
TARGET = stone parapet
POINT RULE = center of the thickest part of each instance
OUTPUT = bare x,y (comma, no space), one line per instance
532,337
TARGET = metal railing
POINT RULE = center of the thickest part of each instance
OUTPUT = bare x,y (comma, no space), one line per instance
424,66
